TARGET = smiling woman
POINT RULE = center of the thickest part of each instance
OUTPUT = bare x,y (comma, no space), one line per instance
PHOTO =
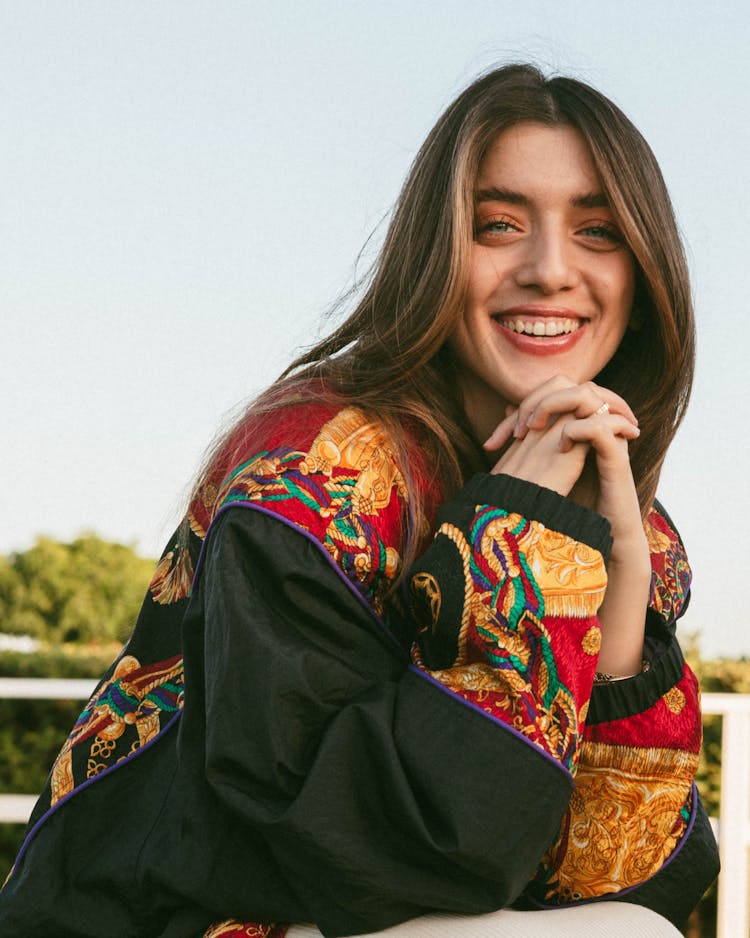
412,649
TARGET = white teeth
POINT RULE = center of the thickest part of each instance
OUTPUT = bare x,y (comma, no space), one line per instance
548,327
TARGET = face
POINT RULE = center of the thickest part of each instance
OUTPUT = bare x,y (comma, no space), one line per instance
551,279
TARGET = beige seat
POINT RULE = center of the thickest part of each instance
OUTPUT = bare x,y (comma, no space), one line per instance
597,920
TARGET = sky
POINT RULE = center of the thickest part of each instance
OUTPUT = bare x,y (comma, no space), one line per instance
186,187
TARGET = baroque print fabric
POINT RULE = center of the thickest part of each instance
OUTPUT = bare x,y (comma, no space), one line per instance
522,644
345,490
634,790
627,814
234,929
670,572
126,712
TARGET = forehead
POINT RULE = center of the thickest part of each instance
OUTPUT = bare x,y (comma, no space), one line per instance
538,158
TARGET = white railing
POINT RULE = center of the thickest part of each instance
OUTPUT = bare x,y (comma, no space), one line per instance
15,809
733,915
733,907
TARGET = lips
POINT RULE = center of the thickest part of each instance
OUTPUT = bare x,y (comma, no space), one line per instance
541,330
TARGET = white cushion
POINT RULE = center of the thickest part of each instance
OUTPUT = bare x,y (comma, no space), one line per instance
596,920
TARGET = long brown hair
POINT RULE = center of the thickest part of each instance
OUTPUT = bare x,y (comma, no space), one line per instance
390,356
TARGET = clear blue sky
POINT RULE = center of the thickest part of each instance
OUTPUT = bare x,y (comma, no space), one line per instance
186,186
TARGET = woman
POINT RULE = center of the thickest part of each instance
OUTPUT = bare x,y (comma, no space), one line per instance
410,682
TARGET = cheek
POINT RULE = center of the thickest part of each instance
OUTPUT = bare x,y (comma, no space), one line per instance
616,290
621,289
484,275
625,285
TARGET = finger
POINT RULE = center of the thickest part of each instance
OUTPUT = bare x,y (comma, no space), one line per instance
617,404
536,459
502,433
599,430
530,403
581,401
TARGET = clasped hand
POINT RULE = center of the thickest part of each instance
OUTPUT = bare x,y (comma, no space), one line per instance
547,439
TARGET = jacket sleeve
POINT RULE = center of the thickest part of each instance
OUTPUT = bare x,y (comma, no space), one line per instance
635,829
506,601
378,789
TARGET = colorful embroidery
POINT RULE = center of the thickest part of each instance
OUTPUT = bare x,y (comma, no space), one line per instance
629,810
591,642
342,491
425,592
674,700
670,571
173,576
570,575
514,570
231,928
125,713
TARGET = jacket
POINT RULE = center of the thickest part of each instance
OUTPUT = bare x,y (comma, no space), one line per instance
285,739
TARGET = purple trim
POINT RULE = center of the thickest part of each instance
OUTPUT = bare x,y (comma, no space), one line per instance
313,540
610,896
489,716
90,781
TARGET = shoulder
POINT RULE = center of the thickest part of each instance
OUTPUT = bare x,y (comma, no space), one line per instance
313,455
328,472
331,475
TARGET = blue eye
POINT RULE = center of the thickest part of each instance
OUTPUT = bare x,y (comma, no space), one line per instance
494,226
498,226
603,233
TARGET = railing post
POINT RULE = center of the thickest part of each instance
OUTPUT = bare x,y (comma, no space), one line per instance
733,907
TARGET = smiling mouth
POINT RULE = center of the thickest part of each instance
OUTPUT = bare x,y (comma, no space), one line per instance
542,328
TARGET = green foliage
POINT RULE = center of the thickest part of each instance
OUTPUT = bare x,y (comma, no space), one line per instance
80,600
89,590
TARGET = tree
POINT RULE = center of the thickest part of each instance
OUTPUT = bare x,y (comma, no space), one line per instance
88,590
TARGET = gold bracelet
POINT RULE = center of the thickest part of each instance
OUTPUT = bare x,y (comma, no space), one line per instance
602,678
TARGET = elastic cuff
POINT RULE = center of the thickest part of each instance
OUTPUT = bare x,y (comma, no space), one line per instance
537,503
636,694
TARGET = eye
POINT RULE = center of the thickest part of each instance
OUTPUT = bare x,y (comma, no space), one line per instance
489,229
500,226
603,235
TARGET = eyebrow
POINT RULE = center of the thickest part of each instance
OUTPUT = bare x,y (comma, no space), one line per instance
585,200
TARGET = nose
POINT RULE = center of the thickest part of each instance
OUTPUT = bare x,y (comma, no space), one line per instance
548,262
